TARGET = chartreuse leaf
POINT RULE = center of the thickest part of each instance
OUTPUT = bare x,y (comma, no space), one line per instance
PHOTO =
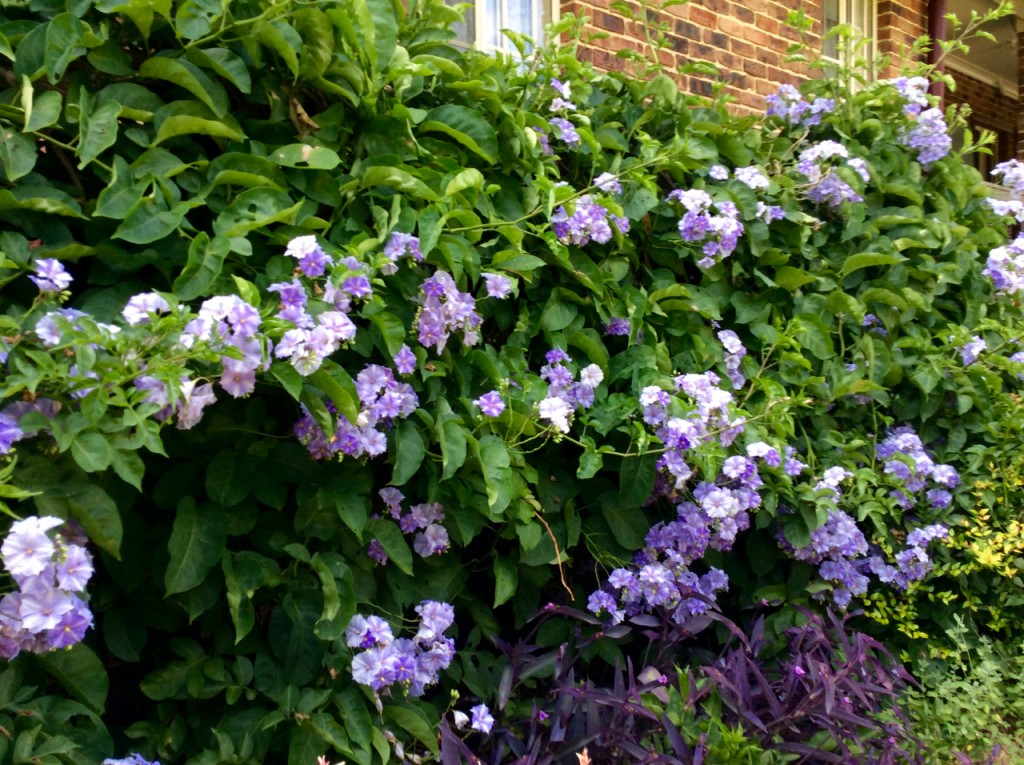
196,544
304,155
141,12
81,673
187,75
397,178
467,126
868,259
281,39
181,124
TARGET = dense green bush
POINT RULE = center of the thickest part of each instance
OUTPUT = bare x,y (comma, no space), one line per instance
290,208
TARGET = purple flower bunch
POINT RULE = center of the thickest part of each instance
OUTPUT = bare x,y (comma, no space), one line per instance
444,311
133,759
913,562
51,569
411,663
709,412
565,394
400,245
713,225
562,101
970,350
588,222
913,90
734,358
141,308
230,325
566,131
914,471
752,178
1005,267
789,105
424,520
382,400
10,431
929,137
818,163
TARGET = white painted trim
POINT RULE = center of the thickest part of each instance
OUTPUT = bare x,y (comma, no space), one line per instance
1006,87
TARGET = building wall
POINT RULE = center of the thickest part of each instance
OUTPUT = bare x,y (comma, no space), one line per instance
746,39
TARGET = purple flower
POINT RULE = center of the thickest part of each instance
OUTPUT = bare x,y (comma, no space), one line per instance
969,351
405,360
491,404
376,552
608,183
9,433
50,276
132,759
238,377
313,261
481,718
617,326
498,286
140,307
566,131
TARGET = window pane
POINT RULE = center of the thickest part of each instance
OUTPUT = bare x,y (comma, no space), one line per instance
491,22
520,16
830,19
465,30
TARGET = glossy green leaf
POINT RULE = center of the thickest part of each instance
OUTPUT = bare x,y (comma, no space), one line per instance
92,451
205,261
506,579
97,131
149,220
187,75
180,124
225,63
196,545
396,178
65,35
304,155
409,453
333,380
869,259
393,541
465,125
17,154
46,108
254,209
495,464
79,670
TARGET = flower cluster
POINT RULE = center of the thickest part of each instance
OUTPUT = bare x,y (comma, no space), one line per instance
717,232
913,90
588,222
565,394
133,759
231,326
907,462
970,350
818,164
51,570
479,719
424,520
446,310
412,663
1005,267
382,400
734,358
790,106
839,548
929,137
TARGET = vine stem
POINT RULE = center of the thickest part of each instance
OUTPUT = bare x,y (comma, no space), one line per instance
535,506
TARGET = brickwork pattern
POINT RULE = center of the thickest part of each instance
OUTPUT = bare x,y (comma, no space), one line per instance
746,39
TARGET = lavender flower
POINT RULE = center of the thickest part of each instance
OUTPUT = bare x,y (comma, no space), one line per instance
566,131
313,261
481,719
140,307
498,286
929,137
50,276
491,404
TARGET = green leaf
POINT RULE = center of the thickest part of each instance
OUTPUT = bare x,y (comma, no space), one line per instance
868,259
129,467
332,379
409,453
451,436
187,75
256,208
495,464
396,178
97,131
17,153
339,602
64,43
303,155
413,721
46,108
225,63
470,178
465,125
227,479
141,12
196,545
203,268
506,579
391,539
814,335
289,378
281,39
150,220
181,124
590,463
121,194
792,279
81,673
96,511
92,451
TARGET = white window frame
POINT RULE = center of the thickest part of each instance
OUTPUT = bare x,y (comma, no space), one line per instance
489,17
861,16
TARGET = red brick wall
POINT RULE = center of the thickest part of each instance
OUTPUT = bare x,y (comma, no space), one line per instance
746,39
990,108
